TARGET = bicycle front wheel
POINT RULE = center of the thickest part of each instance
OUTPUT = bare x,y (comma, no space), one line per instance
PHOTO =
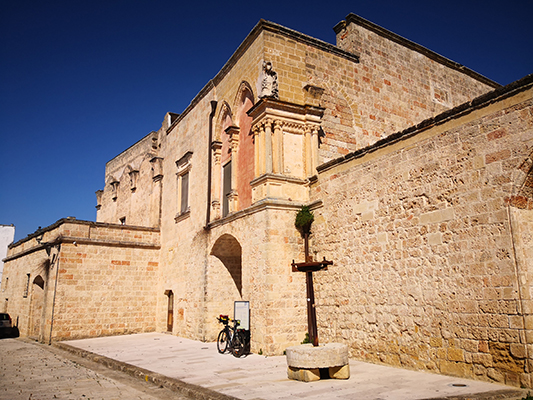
237,348
222,341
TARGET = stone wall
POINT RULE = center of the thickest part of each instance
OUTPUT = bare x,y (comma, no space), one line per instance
132,193
432,259
309,72
83,280
397,83
236,261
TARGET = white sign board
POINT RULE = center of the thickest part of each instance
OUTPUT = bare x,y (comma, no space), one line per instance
241,311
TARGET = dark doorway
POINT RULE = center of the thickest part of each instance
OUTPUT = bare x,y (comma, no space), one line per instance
170,314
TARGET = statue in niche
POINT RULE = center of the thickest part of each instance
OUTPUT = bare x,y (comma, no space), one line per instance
269,81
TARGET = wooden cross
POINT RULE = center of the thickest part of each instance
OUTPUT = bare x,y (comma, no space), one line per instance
308,267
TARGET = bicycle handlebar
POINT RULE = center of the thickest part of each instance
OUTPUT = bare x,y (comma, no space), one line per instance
224,319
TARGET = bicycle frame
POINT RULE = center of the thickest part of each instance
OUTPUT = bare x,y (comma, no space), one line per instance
231,338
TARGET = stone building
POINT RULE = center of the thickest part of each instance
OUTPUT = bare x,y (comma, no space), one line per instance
7,234
418,171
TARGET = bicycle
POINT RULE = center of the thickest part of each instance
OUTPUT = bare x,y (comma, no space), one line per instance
231,338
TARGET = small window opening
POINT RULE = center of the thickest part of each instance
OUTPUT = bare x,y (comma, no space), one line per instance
184,193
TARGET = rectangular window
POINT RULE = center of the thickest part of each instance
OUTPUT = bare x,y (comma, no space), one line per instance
27,288
182,186
226,190
184,193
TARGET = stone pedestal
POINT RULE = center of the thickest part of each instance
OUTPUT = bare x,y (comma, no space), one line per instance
305,361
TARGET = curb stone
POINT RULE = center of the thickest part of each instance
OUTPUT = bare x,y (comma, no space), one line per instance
511,394
193,391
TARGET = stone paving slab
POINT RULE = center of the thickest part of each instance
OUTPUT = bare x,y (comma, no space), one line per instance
257,377
31,371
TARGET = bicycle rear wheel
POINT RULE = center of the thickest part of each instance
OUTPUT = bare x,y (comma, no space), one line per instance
222,341
237,348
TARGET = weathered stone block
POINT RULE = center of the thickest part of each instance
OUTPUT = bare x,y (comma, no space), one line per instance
304,375
342,372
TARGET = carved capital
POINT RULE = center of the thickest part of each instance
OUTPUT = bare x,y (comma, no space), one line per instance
233,132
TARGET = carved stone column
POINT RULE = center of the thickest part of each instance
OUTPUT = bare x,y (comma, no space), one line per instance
268,146
314,149
308,151
216,147
257,168
277,147
233,197
261,146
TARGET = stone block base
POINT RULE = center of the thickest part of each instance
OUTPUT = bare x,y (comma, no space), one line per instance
313,374
304,375
342,372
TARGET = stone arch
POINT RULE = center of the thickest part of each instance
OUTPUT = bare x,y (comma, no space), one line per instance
37,308
519,204
224,120
223,281
39,281
245,157
522,189
244,93
228,250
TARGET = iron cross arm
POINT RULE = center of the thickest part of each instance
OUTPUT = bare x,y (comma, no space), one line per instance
311,266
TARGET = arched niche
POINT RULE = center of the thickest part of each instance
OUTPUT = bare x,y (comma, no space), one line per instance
228,250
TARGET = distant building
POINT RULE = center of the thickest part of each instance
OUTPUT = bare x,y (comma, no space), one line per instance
7,234
419,174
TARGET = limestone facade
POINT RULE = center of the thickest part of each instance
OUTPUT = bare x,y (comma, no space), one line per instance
431,236
78,279
200,213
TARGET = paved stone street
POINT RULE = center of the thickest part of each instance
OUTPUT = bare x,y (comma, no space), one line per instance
31,371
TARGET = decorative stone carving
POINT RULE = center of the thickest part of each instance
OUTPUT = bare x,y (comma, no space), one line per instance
114,188
233,132
99,194
134,174
216,147
157,168
313,94
215,204
269,81
184,163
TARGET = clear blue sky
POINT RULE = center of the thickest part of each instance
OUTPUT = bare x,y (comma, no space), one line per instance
80,81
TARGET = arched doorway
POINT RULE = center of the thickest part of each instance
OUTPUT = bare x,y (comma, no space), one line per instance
37,303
